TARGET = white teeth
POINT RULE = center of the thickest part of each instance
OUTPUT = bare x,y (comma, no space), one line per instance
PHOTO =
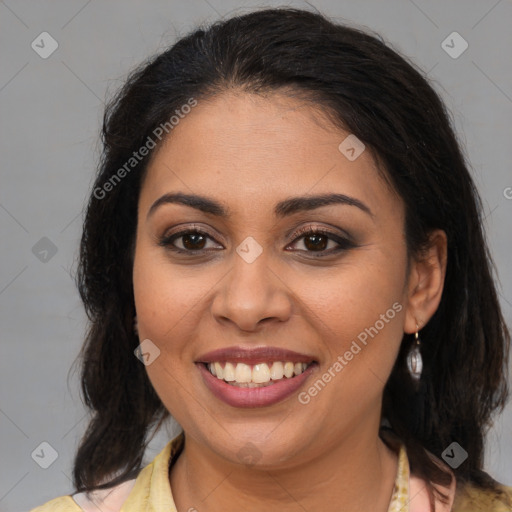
261,374
288,369
277,370
219,372
229,372
243,373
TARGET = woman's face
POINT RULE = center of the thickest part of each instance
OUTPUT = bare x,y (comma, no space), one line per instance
254,279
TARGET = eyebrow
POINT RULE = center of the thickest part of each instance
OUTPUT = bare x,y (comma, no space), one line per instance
282,209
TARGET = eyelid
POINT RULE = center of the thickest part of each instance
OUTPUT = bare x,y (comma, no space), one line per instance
293,232
165,239
182,229
343,240
316,228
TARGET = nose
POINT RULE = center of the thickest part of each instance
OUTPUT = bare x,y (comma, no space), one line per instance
251,294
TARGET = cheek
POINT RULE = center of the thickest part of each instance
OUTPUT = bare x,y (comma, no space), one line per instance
358,313
164,302
165,295
359,322
354,295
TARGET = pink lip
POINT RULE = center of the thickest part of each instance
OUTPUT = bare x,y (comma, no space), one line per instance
253,355
253,397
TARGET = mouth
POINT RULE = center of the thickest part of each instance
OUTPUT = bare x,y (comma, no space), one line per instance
244,375
254,377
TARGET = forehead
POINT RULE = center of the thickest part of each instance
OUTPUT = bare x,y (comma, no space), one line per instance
247,149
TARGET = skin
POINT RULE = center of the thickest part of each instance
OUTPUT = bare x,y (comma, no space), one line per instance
250,152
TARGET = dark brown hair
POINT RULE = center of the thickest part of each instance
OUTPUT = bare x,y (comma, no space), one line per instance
370,90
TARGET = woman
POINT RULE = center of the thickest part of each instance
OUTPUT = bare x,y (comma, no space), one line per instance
284,251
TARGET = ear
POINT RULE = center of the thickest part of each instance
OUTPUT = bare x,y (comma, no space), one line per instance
426,282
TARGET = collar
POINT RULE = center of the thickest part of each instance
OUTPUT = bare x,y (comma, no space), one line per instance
152,492
400,496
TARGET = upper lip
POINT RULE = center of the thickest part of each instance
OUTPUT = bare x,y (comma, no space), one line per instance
253,355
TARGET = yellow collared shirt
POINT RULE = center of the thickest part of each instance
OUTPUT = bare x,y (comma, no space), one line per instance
151,492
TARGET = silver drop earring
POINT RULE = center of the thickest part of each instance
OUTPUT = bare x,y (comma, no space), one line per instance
414,360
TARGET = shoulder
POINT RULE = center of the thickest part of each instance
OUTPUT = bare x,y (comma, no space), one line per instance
470,498
130,493
61,504
462,496
109,500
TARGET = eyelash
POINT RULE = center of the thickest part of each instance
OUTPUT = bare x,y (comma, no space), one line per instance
343,243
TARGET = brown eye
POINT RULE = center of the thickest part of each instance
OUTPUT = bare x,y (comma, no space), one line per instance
316,242
322,242
193,241
188,241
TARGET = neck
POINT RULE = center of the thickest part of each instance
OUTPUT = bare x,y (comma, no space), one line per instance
354,475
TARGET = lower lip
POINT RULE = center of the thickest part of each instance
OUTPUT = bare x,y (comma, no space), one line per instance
254,397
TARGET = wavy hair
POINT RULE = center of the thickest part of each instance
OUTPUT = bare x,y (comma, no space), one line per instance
367,88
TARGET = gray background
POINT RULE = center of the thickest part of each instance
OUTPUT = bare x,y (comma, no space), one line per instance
50,117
